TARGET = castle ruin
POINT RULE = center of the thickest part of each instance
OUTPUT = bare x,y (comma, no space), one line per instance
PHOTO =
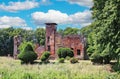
55,40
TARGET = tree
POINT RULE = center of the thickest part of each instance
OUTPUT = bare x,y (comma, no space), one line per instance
106,41
6,42
40,35
69,31
27,54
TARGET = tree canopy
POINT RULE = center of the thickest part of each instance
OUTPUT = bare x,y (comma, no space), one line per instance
104,40
6,38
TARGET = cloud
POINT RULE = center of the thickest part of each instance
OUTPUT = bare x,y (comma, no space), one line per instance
16,6
27,28
45,2
51,16
87,3
6,22
80,18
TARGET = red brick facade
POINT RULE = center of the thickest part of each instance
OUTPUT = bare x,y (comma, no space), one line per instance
54,40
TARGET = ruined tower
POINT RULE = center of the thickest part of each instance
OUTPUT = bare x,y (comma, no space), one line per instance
17,42
50,38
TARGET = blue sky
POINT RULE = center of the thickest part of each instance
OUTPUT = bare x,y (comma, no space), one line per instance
32,14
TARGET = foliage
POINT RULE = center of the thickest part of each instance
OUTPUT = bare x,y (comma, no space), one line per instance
64,52
73,60
6,42
12,69
69,31
61,60
96,58
67,58
45,56
40,35
104,40
7,35
27,54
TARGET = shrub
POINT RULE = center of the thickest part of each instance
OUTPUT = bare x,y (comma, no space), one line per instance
61,60
69,52
64,52
67,58
27,55
96,58
61,53
45,56
73,60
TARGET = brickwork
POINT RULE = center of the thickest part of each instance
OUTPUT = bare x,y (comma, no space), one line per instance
39,50
50,37
17,42
54,41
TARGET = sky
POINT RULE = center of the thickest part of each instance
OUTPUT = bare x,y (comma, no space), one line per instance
33,14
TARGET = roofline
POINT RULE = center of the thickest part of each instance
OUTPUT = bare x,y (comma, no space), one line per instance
51,23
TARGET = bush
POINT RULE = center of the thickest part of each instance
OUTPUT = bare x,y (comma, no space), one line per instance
96,58
116,67
68,58
69,52
73,60
61,60
64,52
45,56
27,55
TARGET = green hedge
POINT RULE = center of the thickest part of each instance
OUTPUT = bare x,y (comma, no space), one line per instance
64,52
27,54
45,56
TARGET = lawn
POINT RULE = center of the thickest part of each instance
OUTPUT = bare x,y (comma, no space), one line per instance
12,69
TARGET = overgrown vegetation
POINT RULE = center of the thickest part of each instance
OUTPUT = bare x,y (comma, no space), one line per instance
27,54
64,52
73,60
45,56
103,35
12,69
61,60
6,38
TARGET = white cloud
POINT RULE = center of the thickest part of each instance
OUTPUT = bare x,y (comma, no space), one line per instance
16,6
45,2
51,16
87,3
27,28
80,18
7,21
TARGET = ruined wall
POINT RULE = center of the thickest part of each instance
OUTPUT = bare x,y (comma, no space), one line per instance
39,50
75,42
54,41
17,42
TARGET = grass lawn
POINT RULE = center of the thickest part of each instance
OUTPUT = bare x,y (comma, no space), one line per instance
12,69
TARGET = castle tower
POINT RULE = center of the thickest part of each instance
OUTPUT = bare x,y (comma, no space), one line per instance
50,38
17,42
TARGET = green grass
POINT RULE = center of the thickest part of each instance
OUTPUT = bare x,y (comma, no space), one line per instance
12,69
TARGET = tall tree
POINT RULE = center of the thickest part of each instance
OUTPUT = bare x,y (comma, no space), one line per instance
106,14
40,35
